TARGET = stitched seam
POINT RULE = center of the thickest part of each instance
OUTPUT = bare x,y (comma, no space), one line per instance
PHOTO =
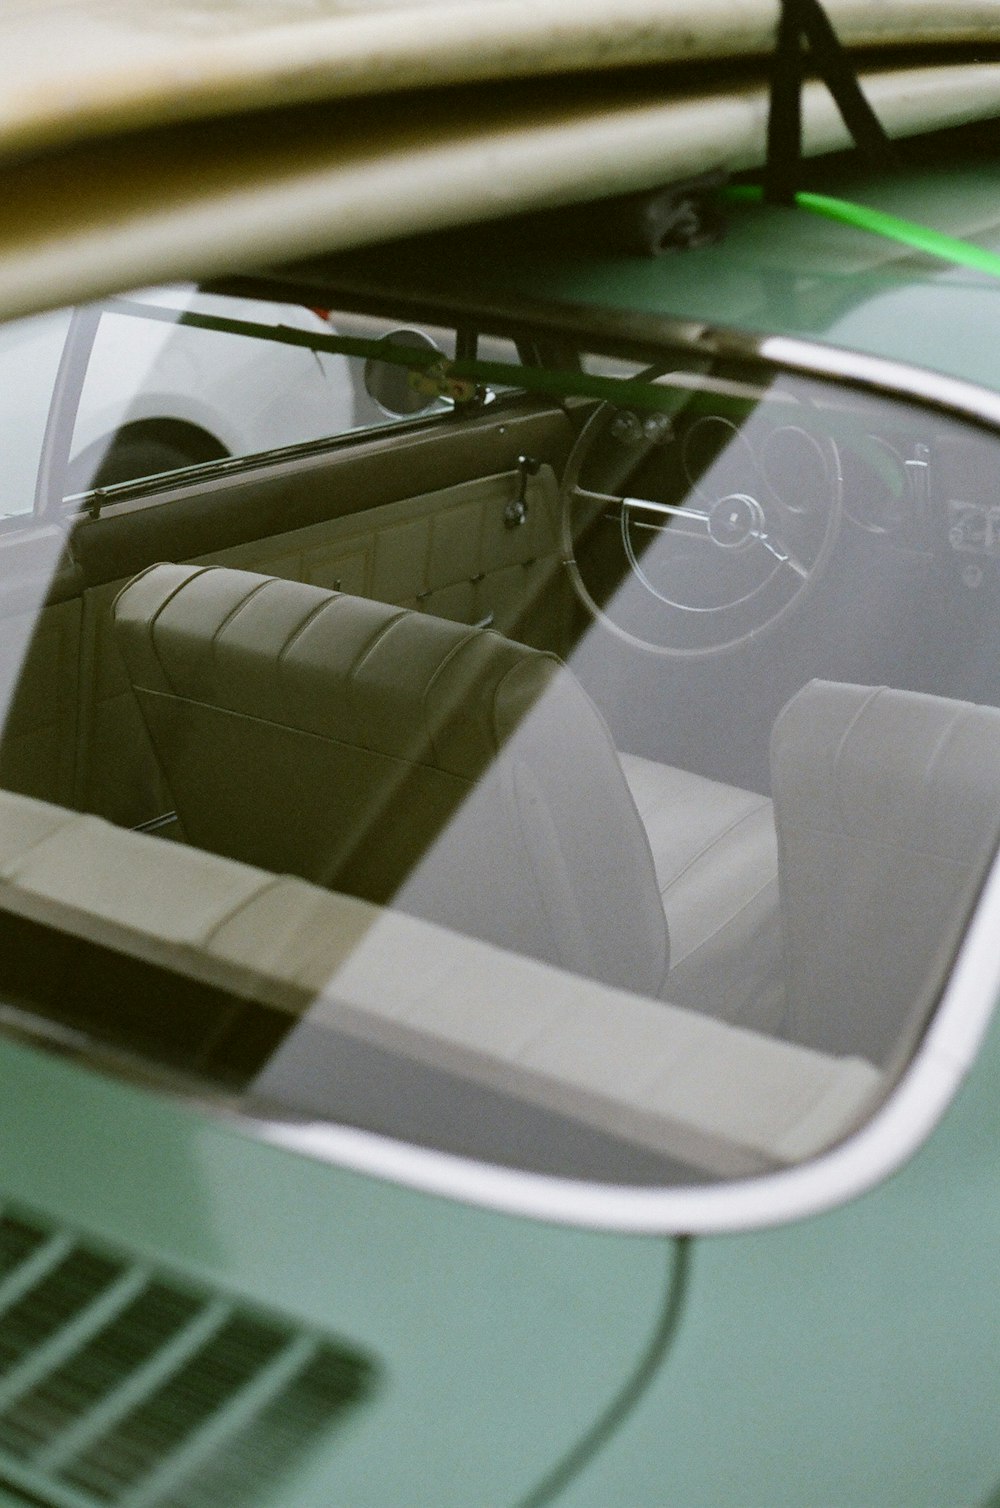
838,792
499,688
340,743
455,650
220,629
151,625
934,756
696,859
351,679
301,627
373,643
283,652
234,911
726,922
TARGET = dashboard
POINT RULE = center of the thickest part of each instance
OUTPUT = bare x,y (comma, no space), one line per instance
747,537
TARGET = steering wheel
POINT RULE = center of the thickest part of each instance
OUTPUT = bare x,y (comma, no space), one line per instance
730,525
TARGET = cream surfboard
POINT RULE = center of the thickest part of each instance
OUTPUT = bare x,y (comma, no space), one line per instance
69,67
215,197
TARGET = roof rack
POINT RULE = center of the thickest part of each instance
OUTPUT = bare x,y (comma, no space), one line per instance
801,22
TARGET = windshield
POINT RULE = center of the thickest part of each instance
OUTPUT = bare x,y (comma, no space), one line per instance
578,762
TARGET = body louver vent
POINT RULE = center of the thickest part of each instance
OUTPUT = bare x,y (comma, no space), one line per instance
121,1387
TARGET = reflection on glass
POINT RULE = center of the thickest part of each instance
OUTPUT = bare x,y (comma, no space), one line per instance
615,816
162,392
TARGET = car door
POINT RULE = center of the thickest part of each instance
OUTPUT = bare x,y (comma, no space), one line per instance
315,481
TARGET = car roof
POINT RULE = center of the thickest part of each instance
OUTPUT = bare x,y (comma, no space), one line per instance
772,271
196,141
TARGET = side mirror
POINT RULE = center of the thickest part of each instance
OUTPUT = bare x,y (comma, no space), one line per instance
397,389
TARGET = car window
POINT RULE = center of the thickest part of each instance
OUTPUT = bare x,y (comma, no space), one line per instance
599,785
30,352
159,395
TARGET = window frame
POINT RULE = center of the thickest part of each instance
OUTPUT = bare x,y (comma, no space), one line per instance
52,503
924,1090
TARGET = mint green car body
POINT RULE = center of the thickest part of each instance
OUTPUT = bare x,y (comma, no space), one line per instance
847,1360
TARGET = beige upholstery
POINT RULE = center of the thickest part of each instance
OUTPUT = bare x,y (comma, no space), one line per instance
888,811
715,852
447,552
725,1100
395,756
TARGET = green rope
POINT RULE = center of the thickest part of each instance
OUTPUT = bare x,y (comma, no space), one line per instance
891,227
562,383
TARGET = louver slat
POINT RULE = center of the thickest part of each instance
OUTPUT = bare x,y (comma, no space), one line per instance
121,1388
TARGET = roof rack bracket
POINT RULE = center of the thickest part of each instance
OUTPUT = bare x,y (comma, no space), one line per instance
801,22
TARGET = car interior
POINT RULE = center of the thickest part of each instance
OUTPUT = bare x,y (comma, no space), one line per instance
629,763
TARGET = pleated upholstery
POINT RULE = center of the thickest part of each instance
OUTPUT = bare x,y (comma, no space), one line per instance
397,757
887,806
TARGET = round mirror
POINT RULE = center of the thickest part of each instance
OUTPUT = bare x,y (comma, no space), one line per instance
395,388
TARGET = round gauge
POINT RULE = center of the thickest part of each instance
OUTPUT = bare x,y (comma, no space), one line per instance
717,458
876,485
796,467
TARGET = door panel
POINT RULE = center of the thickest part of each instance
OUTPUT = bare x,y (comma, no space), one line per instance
401,548
37,751
448,552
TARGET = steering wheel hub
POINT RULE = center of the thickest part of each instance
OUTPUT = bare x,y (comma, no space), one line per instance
735,520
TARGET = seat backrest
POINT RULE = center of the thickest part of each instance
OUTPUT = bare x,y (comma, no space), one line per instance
397,757
887,806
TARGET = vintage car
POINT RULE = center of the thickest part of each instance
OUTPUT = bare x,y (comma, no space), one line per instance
498,885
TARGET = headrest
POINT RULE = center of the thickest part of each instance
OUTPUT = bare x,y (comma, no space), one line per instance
892,768
887,807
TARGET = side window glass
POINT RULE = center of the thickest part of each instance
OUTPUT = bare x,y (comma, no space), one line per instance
159,394
30,351
497,350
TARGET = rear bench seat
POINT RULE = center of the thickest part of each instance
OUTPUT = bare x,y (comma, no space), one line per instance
461,776
726,1100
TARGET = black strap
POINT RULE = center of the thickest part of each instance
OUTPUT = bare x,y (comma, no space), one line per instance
806,21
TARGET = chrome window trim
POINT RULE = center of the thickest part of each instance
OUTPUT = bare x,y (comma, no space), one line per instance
898,1128
581,324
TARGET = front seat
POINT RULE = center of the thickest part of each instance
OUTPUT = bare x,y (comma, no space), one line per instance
888,814
460,776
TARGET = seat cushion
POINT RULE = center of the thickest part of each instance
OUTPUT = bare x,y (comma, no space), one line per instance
716,858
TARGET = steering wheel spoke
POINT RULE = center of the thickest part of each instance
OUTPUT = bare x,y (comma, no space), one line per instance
670,510
784,556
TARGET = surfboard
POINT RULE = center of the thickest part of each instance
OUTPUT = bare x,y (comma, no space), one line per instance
221,196
105,67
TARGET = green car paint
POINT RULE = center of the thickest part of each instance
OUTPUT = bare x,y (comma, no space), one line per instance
780,270
498,1340
847,1360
